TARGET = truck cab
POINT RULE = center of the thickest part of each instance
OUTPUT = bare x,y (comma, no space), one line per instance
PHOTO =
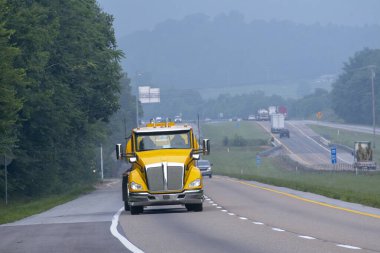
163,167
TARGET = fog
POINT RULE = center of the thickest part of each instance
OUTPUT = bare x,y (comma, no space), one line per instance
135,15
288,48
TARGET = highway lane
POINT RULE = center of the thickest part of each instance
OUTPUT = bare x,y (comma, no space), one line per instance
303,146
355,128
240,217
81,225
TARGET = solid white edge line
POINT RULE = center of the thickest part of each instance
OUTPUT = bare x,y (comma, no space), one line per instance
347,246
122,239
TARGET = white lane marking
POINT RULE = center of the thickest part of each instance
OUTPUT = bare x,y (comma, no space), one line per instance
122,239
328,150
211,202
219,207
231,214
225,211
243,218
258,223
214,204
306,237
347,246
278,229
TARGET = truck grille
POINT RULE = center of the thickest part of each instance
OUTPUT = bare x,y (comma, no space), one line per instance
165,177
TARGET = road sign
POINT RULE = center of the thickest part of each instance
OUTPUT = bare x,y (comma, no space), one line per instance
333,155
258,160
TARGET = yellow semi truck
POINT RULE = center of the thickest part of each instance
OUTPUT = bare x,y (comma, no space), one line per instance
163,169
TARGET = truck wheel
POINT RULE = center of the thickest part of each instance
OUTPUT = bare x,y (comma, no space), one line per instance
126,206
194,207
198,207
136,209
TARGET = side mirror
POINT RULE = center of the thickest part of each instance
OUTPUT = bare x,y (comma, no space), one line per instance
118,151
132,159
196,156
206,146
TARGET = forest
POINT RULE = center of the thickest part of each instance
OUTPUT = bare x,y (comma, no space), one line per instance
60,84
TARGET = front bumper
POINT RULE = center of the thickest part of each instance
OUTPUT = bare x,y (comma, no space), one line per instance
148,199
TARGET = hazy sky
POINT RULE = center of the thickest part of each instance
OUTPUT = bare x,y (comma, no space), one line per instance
133,15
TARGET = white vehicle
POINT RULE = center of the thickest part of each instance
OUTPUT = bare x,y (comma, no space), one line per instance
262,114
272,110
277,121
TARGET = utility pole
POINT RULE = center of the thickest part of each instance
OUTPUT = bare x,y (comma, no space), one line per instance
101,162
137,110
373,74
6,180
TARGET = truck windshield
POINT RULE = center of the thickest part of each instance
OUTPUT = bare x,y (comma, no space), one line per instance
163,140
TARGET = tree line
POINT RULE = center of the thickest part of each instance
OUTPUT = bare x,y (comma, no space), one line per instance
59,87
349,100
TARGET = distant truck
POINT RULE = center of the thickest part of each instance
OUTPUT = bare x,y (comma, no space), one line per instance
262,115
277,121
272,110
363,156
283,110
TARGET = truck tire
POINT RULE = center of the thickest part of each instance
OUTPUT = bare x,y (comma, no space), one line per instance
194,207
126,206
136,209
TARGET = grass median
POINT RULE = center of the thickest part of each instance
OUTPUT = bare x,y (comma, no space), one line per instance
23,207
239,161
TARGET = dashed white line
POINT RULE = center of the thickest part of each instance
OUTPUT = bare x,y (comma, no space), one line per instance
347,246
282,230
306,237
122,239
219,207
214,204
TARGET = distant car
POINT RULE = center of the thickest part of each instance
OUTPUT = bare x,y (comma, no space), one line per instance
284,133
205,167
251,117
158,119
177,119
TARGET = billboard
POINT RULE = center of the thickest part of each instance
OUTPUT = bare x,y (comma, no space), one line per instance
149,95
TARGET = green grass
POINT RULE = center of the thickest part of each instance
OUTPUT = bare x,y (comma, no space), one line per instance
240,162
21,208
347,138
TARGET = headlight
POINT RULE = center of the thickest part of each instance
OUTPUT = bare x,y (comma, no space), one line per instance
135,186
195,183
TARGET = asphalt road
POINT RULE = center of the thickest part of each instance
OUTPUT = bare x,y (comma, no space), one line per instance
82,225
303,145
242,216
238,216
